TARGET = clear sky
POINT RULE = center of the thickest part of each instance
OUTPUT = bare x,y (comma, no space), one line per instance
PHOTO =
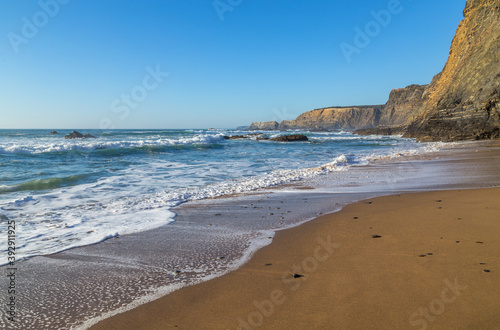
205,63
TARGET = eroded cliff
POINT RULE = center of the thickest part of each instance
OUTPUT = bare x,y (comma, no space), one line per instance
462,102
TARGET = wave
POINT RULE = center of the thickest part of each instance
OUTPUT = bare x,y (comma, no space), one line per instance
90,145
44,184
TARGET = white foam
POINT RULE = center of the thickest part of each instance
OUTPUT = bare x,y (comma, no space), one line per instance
39,146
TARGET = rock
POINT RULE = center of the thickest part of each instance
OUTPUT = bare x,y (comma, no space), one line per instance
53,132
236,137
263,126
78,135
333,118
290,138
295,275
74,135
376,236
257,136
486,270
463,101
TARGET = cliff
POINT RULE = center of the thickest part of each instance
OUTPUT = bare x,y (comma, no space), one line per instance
403,107
462,102
263,126
336,118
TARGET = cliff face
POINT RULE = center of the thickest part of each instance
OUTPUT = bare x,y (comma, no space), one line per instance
404,106
336,118
462,102
263,126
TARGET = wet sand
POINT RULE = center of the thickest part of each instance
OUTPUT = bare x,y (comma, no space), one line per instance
412,261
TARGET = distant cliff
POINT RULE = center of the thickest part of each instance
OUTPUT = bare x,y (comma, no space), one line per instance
263,126
461,103
336,118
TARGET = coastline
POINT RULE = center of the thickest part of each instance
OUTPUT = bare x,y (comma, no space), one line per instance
357,281
142,267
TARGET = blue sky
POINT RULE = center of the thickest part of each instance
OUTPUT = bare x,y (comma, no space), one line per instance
204,63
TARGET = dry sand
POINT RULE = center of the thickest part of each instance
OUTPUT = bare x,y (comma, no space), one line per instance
427,270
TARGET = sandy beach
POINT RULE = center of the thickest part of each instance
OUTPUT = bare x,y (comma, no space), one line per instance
412,261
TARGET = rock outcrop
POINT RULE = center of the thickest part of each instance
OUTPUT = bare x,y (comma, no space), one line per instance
290,138
53,132
403,107
264,126
336,118
78,135
463,101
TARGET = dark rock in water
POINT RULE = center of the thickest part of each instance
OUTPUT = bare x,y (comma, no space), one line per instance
53,132
290,138
78,135
486,270
479,242
74,135
422,256
236,137
257,136
268,265
430,254
376,236
297,275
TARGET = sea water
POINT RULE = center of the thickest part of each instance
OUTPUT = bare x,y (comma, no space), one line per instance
65,193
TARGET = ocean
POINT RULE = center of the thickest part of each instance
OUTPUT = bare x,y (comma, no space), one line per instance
106,224
66,193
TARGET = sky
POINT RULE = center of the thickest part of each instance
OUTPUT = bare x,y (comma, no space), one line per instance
155,64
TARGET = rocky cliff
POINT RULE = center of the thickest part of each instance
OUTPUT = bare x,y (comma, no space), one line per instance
263,126
336,118
462,102
403,107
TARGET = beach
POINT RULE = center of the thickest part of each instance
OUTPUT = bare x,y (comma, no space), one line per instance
435,265
230,259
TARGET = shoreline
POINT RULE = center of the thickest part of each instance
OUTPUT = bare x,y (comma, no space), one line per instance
357,281
128,273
